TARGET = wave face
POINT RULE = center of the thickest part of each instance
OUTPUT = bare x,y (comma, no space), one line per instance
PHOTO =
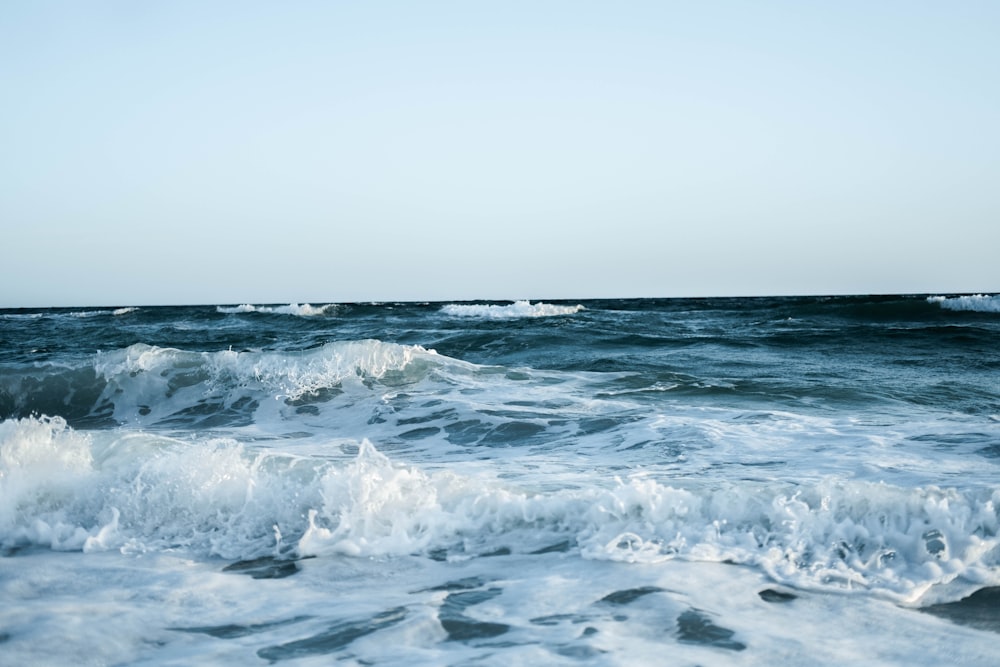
145,384
598,483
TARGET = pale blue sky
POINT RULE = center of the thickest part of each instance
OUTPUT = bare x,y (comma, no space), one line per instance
230,152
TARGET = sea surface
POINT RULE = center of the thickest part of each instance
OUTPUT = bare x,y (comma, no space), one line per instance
746,481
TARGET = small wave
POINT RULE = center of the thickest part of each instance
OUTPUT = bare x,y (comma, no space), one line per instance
980,303
512,311
301,310
151,384
149,375
76,314
234,310
84,314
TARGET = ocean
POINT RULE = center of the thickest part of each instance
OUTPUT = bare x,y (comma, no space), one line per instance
723,481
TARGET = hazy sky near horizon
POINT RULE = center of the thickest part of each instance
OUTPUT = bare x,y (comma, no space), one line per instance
266,152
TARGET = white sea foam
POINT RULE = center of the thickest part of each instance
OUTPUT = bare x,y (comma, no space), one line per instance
44,466
301,310
835,535
168,609
137,492
981,303
512,311
69,491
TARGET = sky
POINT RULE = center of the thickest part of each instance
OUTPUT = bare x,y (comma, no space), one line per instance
316,152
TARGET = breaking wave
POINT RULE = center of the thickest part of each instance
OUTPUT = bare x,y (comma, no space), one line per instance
77,314
149,383
512,311
301,310
108,490
980,303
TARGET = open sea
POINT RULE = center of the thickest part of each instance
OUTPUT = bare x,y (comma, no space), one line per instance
744,481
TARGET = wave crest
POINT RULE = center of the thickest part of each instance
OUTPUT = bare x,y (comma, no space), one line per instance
979,303
512,311
148,384
300,310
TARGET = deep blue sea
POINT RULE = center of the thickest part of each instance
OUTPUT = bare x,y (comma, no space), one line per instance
745,481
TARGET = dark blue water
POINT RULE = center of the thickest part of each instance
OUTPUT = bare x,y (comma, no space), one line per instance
827,352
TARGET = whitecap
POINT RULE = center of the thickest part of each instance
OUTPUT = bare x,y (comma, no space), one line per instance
300,310
511,311
980,303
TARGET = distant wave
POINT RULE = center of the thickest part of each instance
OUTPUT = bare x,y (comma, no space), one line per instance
302,310
980,303
79,314
83,314
512,311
